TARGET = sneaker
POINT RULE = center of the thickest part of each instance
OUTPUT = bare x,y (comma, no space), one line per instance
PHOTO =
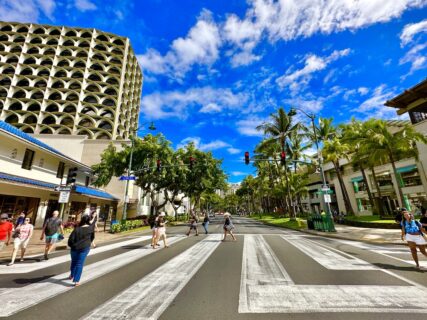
46,257
10,264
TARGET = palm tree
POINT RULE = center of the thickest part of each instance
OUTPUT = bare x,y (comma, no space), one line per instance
333,151
384,144
278,131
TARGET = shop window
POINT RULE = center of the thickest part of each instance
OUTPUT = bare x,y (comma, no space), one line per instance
60,171
28,159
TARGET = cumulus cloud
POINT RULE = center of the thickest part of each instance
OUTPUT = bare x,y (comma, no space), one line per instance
233,150
238,173
85,5
295,79
410,30
177,103
26,10
199,47
247,127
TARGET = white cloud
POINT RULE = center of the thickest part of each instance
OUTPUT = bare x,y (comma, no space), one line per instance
160,105
312,64
26,10
210,146
248,126
362,90
234,150
199,47
410,30
238,173
416,56
85,5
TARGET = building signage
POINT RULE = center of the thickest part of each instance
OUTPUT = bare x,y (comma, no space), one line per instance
64,197
124,178
63,188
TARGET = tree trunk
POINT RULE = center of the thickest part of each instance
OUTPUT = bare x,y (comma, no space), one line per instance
380,197
346,198
371,199
401,198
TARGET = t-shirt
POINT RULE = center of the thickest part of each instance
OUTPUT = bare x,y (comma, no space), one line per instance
411,227
81,237
52,226
5,228
25,230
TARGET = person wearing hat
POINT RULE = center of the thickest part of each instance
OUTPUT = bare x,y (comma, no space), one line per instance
161,230
6,229
228,226
412,232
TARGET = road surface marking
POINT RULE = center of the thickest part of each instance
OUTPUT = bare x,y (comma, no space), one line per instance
23,267
149,297
260,267
329,258
16,299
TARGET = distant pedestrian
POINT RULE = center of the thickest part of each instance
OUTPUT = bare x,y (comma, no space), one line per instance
193,225
228,226
153,219
23,234
205,223
20,219
80,241
413,234
52,229
423,219
161,230
94,215
6,229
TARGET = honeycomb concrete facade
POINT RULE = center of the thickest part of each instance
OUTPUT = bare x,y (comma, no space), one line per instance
70,81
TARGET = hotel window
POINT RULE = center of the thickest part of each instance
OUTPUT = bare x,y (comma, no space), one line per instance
87,182
28,159
60,172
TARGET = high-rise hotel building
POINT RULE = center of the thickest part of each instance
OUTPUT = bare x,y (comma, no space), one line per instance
68,81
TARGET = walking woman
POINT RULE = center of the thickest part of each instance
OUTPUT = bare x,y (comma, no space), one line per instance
153,226
80,241
228,226
161,230
413,234
23,234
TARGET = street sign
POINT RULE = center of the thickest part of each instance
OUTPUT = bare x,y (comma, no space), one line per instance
124,178
63,188
325,187
325,192
327,198
64,197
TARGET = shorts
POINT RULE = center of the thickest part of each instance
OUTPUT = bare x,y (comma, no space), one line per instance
18,243
417,238
161,231
2,244
193,226
52,239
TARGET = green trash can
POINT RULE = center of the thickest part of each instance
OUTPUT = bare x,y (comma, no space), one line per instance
328,224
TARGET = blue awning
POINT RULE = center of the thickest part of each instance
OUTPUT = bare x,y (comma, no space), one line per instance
91,192
357,179
410,168
95,193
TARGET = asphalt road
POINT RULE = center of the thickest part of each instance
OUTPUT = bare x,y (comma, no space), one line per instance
268,273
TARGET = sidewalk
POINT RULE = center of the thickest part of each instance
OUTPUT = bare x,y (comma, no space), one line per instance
36,246
372,235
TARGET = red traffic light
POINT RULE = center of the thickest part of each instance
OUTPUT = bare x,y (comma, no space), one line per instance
247,159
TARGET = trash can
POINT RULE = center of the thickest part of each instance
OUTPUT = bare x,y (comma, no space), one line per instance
327,223
310,224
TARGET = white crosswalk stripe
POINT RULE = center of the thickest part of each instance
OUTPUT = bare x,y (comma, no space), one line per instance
17,299
139,302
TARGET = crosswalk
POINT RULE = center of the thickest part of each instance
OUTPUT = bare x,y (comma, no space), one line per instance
266,285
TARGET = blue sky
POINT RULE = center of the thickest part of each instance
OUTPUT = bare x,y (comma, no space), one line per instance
214,70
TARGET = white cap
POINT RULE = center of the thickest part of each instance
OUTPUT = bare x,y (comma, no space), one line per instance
162,214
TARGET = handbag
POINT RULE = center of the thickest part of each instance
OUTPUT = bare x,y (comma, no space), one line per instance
16,234
60,237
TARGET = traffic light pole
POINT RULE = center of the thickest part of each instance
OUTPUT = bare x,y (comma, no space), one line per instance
125,204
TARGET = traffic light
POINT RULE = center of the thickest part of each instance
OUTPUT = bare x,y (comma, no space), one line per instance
72,175
246,157
159,166
191,163
283,158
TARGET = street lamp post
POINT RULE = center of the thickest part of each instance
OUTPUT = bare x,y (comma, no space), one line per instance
312,117
125,205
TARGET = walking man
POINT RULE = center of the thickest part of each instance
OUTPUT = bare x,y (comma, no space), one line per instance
205,223
51,229
193,225
5,230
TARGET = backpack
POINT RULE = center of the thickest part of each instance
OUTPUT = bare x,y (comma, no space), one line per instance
51,226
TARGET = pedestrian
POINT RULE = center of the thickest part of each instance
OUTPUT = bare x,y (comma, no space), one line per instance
205,223
193,225
20,219
80,241
423,219
93,215
153,226
228,226
6,229
22,235
413,234
161,230
52,229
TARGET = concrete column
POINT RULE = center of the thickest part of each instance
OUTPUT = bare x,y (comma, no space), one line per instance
41,212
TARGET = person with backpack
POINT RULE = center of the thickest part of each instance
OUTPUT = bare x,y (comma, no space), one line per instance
193,225
80,241
412,232
52,229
